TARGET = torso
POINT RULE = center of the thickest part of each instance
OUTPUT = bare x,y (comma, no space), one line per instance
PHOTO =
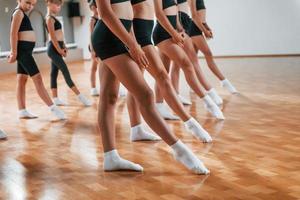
143,9
26,32
169,7
183,6
58,29
122,9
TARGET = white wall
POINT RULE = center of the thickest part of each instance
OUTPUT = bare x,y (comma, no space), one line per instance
241,27
254,27
81,28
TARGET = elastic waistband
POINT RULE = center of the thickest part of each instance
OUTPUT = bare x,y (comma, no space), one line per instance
26,45
183,13
61,43
143,20
172,19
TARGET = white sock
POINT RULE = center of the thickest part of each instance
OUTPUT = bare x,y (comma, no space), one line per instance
137,133
84,100
211,107
165,112
184,100
24,114
197,130
122,91
215,97
57,112
227,84
184,155
2,135
113,162
94,92
59,102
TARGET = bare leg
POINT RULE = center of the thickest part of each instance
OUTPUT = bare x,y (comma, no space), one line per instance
202,45
93,73
41,90
21,90
178,55
166,62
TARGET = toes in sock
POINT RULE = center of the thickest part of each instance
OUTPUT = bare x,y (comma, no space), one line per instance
165,112
59,102
184,100
210,105
113,162
186,157
84,100
57,112
197,130
215,97
25,114
139,134
227,84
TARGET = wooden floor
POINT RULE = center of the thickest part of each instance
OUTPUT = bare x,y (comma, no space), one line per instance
255,153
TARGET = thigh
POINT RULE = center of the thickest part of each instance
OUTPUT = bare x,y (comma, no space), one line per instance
156,66
174,52
201,44
128,73
109,82
20,69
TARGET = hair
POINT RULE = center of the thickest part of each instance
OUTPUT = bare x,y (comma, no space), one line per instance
92,3
55,1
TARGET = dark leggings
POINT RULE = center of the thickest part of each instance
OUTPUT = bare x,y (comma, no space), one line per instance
58,63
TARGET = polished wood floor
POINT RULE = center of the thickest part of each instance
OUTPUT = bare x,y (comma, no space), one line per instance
255,154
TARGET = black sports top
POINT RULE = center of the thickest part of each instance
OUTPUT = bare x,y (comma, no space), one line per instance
96,20
117,1
168,3
57,24
200,5
181,1
136,1
25,24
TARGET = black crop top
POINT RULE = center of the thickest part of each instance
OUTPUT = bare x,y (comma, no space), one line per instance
117,1
136,1
200,5
181,1
25,24
57,24
168,3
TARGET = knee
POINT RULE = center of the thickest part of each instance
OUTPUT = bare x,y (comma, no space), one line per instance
185,62
146,97
108,97
207,53
163,78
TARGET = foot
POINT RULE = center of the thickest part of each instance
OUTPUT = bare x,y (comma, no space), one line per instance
113,162
84,100
57,112
59,102
184,100
215,97
137,133
94,92
2,135
227,84
24,114
186,157
165,112
197,130
211,107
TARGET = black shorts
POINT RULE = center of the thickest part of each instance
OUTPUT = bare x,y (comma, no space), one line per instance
194,30
105,43
160,34
143,31
25,60
185,21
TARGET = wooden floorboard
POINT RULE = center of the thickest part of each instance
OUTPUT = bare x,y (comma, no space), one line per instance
255,154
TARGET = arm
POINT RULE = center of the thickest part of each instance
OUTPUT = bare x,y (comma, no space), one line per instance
50,27
112,21
163,20
91,31
199,18
15,25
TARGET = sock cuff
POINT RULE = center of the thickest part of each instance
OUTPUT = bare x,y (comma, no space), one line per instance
177,145
111,153
22,110
136,127
225,80
212,90
52,106
192,119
